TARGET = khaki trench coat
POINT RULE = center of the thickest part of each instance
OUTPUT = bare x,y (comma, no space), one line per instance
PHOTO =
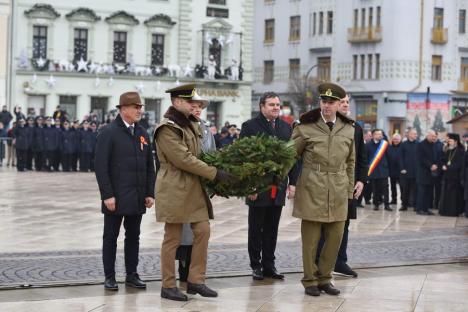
180,195
326,181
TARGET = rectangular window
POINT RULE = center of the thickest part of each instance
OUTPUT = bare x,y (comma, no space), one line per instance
377,66
217,12
120,46
378,17
464,69
295,28
68,104
355,66
363,18
329,22
39,48
153,109
461,21
371,17
80,50
157,49
438,18
356,18
436,73
320,30
268,71
219,2
363,67
314,24
369,66
294,68
269,30
323,68
99,106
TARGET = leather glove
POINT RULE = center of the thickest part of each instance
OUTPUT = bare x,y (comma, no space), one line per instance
224,176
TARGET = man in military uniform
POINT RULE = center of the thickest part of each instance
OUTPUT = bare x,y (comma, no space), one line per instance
325,141
20,135
180,195
125,175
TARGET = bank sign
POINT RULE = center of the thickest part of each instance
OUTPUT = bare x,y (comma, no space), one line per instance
428,112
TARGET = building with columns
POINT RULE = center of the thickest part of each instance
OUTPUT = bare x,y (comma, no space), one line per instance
83,54
405,63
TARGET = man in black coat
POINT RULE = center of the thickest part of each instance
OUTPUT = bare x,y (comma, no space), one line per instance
76,129
126,178
39,144
5,117
86,147
379,177
20,136
51,144
360,176
393,154
265,208
426,168
30,134
67,146
408,162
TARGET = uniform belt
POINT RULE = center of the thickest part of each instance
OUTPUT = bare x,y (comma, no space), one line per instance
322,168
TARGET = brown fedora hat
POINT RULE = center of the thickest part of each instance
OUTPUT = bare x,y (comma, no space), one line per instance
129,98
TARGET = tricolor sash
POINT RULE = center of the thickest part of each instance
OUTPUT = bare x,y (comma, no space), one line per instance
377,156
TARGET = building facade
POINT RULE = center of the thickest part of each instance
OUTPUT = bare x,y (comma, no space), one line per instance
83,54
5,11
405,63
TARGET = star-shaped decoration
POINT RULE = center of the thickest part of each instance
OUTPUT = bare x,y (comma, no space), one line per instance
188,71
140,87
82,65
40,62
51,82
157,70
92,67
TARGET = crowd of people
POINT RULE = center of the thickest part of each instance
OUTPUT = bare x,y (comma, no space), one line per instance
431,174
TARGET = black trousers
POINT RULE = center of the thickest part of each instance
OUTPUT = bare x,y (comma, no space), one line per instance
48,160
29,159
367,192
342,253
74,162
393,187
112,225
85,161
437,191
91,162
263,233
21,157
56,160
425,197
38,160
66,161
380,191
408,191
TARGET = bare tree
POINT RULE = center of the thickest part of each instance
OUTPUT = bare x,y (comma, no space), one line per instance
303,92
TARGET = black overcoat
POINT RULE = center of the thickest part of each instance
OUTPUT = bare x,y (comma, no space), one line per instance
393,155
86,141
426,154
51,139
408,160
283,131
360,168
38,141
124,167
21,136
68,142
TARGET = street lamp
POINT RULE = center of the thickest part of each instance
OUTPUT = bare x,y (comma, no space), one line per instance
306,85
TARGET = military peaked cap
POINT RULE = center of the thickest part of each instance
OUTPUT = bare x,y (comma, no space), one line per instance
331,91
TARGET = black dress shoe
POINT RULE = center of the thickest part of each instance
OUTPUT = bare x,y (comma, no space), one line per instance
359,206
201,289
329,289
376,208
403,208
273,273
257,274
388,208
173,294
111,284
393,202
429,213
345,270
133,280
312,291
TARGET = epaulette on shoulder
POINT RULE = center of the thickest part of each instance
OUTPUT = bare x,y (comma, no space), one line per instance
170,122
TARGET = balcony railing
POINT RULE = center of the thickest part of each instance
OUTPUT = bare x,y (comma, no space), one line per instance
365,34
439,35
463,85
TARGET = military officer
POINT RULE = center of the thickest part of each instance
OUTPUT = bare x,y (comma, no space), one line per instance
180,195
324,140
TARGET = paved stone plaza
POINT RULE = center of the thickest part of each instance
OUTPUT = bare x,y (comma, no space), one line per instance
52,230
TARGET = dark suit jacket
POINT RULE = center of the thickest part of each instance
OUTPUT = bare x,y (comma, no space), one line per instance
381,171
123,169
427,156
283,131
361,166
